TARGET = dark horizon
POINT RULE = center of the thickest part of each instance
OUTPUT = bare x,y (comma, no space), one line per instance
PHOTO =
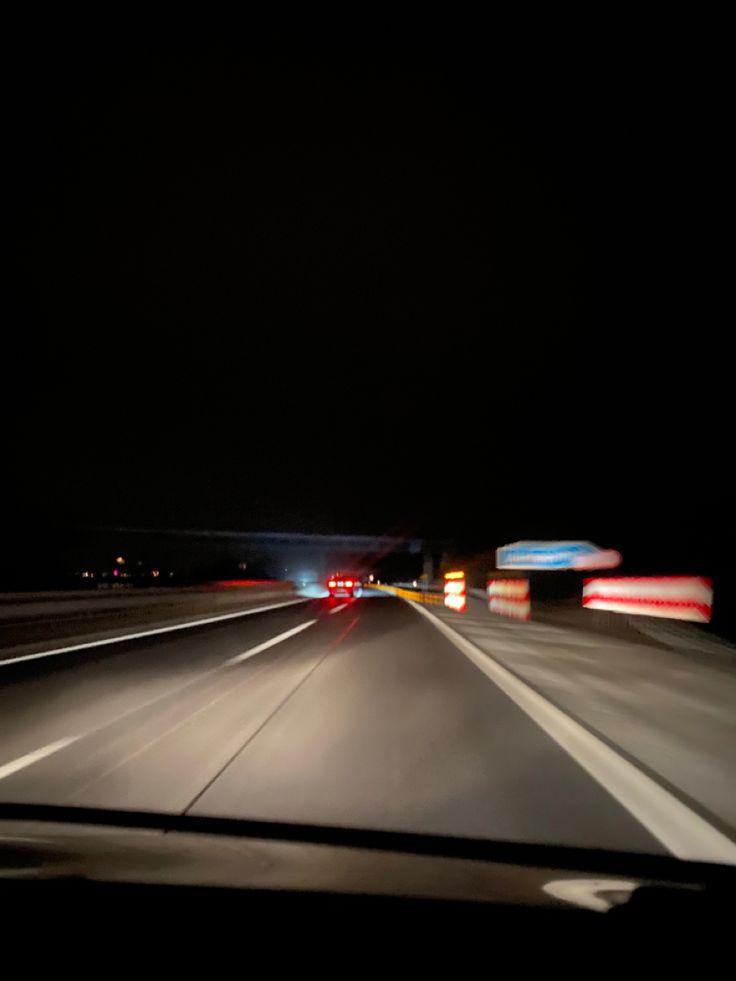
368,297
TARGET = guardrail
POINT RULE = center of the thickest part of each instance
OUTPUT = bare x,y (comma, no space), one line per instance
417,595
35,623
60,603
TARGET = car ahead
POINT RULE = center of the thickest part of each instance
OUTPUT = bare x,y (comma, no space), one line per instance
344,584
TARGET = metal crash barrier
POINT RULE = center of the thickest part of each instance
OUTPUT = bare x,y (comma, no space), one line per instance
416,595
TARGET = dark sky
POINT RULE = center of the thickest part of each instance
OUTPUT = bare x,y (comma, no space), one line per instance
423,294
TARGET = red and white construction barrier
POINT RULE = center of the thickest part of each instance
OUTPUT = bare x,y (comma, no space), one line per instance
675,597
455,591
510,598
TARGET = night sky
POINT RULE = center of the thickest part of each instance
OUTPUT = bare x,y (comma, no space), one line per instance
428,295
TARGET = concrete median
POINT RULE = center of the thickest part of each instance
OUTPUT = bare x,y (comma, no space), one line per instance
33,623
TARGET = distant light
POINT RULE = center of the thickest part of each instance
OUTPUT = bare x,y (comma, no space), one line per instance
120,560
370,578
414,583
243,566
454,575
115,572
155,573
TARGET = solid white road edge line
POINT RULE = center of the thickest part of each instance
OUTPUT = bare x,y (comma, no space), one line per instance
35,756
337,609
119,638
681,830
269,643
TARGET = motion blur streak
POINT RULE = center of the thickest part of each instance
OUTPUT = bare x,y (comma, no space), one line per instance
674,597
556,555
510,598
455,591
455,602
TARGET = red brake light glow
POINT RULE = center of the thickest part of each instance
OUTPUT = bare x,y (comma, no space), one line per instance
331,584
348,582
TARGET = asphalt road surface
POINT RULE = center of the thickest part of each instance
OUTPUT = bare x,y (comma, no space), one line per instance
358,713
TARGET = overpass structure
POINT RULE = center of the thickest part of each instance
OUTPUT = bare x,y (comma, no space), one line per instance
284,555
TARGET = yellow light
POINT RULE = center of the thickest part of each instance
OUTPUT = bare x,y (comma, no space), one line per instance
120,560
454,575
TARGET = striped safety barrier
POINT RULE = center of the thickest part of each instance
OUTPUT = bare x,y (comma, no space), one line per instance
674,597
456,591
510,598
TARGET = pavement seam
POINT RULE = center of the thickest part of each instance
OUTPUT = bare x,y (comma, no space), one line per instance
31,757
159,737
276,710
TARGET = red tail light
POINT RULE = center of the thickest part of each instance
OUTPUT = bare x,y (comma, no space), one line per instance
331,584
348,582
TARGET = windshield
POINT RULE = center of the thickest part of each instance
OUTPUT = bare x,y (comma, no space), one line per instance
512,281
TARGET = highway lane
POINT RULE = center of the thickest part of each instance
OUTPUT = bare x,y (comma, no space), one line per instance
670,710
79,692
358,713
